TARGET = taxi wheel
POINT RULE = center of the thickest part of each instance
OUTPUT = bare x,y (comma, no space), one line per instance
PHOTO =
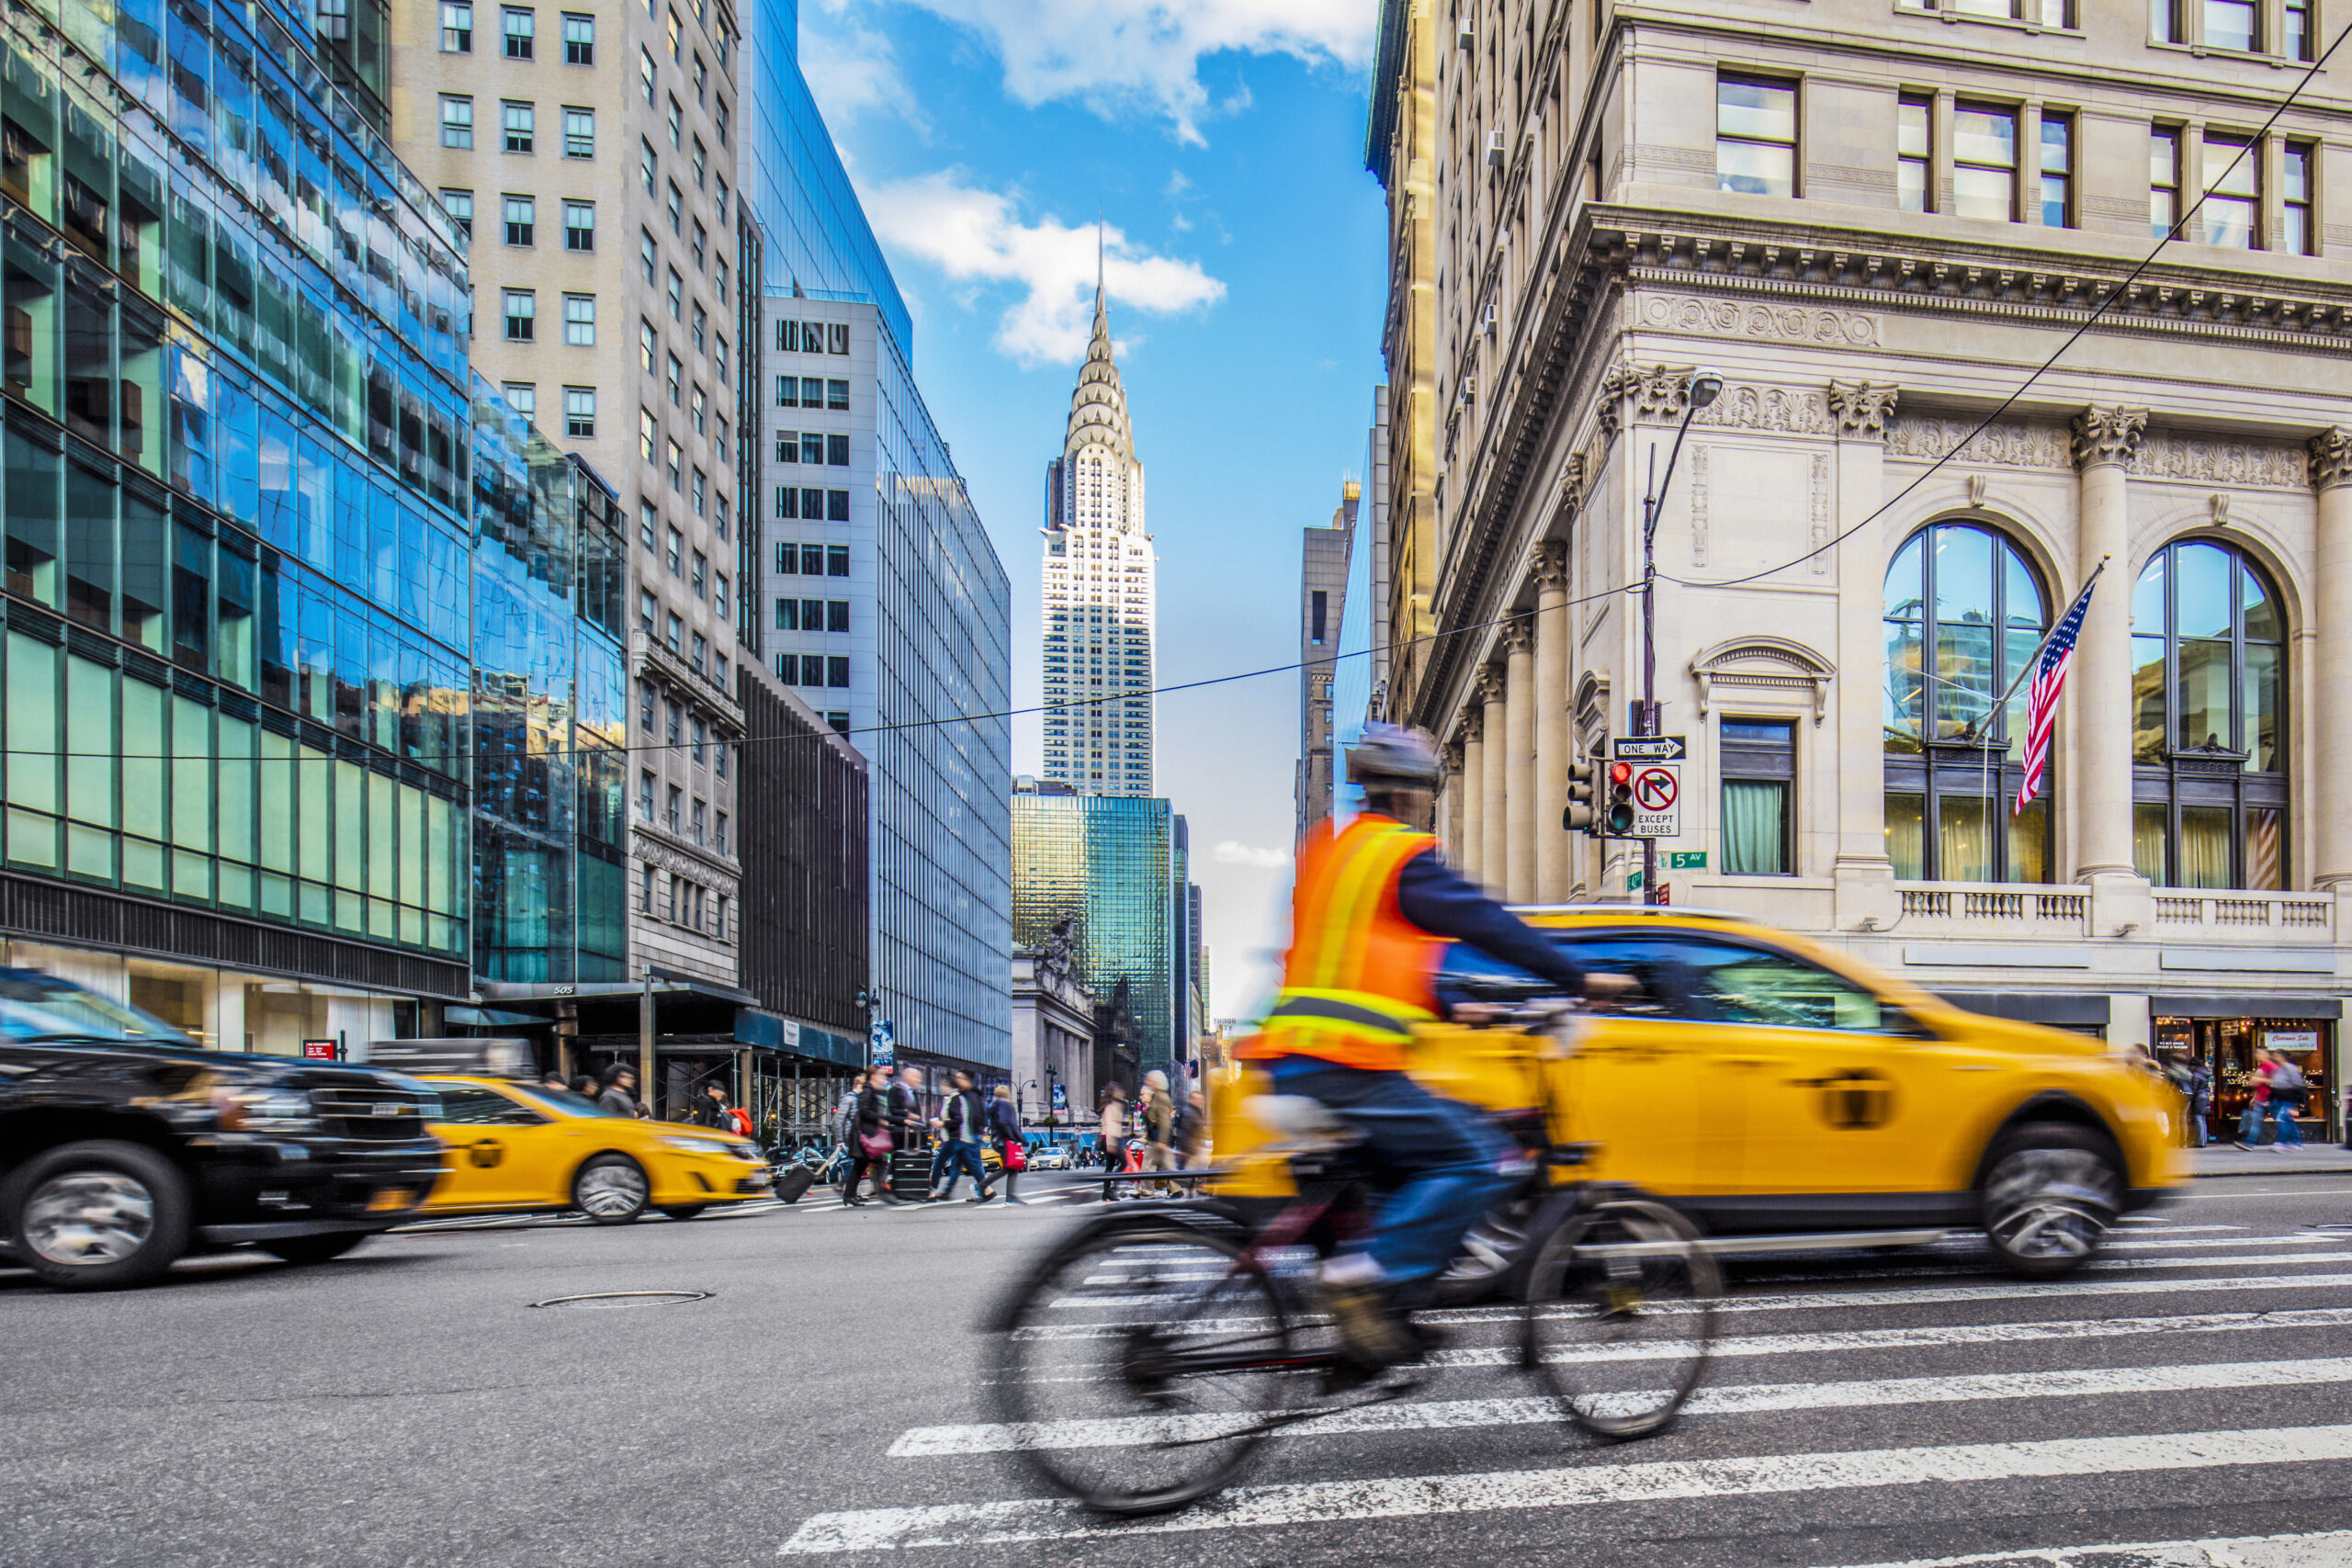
685,1211
2051,1192
97,1215
611,1190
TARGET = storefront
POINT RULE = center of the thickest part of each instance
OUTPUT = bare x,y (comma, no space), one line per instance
230,1010
2225,1032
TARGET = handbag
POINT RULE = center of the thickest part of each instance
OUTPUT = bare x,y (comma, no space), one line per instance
1016,1155
876,1144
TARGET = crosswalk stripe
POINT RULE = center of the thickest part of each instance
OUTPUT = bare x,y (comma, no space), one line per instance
1421,1496
2239,1552
932,1442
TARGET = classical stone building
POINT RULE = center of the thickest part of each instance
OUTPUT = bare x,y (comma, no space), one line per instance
1878,221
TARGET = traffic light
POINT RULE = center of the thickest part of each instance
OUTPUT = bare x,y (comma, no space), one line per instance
1581,815
1620,799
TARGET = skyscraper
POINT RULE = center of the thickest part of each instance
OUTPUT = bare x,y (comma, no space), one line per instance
1098,590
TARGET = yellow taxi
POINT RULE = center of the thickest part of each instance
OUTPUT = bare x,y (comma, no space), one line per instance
516,1146
1765,1084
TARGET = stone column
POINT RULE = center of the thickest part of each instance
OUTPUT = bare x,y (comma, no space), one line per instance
1554,740
1470,852
1855,771
1449,802
2330,811
1518,764
1494,812
2098,691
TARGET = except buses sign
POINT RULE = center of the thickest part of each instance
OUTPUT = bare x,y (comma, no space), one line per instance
1655,787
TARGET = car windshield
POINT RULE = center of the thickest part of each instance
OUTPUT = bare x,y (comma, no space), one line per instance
564,1100
35,1006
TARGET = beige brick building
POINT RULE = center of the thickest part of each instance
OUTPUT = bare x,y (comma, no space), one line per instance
1877,220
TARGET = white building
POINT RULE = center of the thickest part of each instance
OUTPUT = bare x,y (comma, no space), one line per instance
1098,598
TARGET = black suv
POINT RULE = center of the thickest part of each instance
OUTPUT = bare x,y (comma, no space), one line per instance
124,1144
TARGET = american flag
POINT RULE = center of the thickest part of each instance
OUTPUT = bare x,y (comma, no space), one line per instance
2041,697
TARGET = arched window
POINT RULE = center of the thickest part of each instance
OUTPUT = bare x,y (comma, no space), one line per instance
2208,738
1964,614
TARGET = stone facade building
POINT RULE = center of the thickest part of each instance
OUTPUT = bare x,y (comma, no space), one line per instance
1878,221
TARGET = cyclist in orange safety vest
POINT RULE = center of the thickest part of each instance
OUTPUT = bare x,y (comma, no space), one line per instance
1371,911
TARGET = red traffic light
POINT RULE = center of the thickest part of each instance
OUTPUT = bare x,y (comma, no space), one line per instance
1621,774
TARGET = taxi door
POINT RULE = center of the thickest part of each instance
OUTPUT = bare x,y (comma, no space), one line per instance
499,1149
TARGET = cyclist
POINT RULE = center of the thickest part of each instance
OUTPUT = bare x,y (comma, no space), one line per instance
1371,909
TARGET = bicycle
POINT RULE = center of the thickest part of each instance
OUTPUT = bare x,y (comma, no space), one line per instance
1209,1341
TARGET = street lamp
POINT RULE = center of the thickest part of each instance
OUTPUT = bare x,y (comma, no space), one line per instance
1052,1080
1705,387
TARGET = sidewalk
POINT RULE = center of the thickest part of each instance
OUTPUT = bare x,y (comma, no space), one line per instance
2221,1159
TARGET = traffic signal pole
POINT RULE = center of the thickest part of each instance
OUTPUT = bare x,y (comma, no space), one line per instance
1705,386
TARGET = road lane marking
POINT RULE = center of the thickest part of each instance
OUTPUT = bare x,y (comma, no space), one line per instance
2235,1552
1522,1491
933,1442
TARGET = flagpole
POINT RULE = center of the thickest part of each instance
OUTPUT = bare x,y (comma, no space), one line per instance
2034,662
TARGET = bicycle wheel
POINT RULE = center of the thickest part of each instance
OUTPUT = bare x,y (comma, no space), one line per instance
1139,1363
1621,1316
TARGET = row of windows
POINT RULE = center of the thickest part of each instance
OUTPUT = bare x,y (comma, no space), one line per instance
701,576
1995,177
518,28
666,454
811,505
688,733
811,392
811,446
691,647
2236,25
814,669
812,338
690,821
686,903
813,561
579,407
812,614
520,215
519,313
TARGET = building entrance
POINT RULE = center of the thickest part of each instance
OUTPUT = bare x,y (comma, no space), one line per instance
2227,1046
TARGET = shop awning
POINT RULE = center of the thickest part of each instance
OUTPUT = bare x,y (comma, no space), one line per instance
2067,1010
2248,1004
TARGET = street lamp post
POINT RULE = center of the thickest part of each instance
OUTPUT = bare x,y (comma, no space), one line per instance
1705,385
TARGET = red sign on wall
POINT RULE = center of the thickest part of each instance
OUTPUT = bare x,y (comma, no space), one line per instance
320,1050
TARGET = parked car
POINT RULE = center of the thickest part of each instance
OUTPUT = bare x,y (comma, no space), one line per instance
1763,1083
1049,1156
515,1147
125,1145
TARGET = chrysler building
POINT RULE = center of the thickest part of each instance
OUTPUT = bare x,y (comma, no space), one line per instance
1098,595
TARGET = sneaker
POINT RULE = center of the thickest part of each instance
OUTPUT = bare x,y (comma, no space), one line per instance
1371,1334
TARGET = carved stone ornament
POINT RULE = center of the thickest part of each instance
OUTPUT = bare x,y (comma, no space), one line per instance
1569,500
1493,685
2220,500
1653,392
1471,728
1977,485
1789,410
2002,446
2331,458
1862,407
1763,663
1547,563
1452,754
1519,635
1775,323
2108,436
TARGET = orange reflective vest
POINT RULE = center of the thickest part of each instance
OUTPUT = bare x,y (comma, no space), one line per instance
1357,978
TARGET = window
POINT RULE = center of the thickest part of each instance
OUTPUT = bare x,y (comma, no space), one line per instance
580,320
648,344
2209,791
579,133
837,340
698,243
677,471
457,121
1984,162
673,35
699,812
645,808
788,391
2165,21
676,122
701,647
2232,206
787,447
837,451
2163,180
2297,44
675,370
522,397
836,560
1755,136
701,158
837,506
648,519
718,594
677,295
721,182
677,726
837,396
2048,13
522,213
580,412
701,573
521,26
696,404
1914,153
522,306
1964,614
719,842
676,805
457,28
578,225
649,255
812,614
677,552
787,613
520,122
647,165
677,632
812,446
578,38
837,614
677,209
459,206
2296,235
2233,24
645,611
700,322
839,722
646,886
645,73
718,357
2057,170
1758,773
701,734
646,433
718,119
1736,983
812,669
701,78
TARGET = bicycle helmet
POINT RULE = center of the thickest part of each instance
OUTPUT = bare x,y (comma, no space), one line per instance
1396,755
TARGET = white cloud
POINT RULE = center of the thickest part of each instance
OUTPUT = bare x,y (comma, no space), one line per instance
853,70
1233,851
976,237
1121,54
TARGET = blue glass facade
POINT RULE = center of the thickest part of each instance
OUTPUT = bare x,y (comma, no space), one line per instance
940,600
1111,864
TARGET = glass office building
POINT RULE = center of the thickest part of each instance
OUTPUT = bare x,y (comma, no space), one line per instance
1111,864
935,595
239,633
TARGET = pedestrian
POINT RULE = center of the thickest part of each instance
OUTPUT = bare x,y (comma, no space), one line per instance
1158,1114
712,1111
620,1095
1115,1131
585,1086
2258,1103
870,1140
1192,1130
2288,1089
960,1130
553,1080
1004,1122
908,1126
2200,1100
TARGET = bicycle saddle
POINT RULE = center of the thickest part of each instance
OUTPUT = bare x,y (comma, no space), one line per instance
1300,1124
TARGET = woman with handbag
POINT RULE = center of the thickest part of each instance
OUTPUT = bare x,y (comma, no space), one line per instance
870,1140
1004,1125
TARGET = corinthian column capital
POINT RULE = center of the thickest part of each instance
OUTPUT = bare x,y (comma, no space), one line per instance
1471,728
1492,686
1519,635
1548,564
1862,407
2331,457
2108,436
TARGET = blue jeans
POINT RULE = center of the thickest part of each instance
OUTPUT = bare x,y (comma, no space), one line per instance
958,1158
2289,1130
1451,1164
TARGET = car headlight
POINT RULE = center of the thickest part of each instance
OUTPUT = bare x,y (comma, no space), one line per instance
698,1145
261,1109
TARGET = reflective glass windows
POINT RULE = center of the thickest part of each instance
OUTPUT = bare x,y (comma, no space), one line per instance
2232,212
1984,162
578,38
1756,135
457,120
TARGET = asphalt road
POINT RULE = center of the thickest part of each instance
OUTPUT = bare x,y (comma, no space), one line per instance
407,1405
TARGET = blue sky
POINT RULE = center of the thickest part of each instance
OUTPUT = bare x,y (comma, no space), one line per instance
1222,143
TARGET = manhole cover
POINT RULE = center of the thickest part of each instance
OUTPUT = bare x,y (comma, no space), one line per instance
628,1299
